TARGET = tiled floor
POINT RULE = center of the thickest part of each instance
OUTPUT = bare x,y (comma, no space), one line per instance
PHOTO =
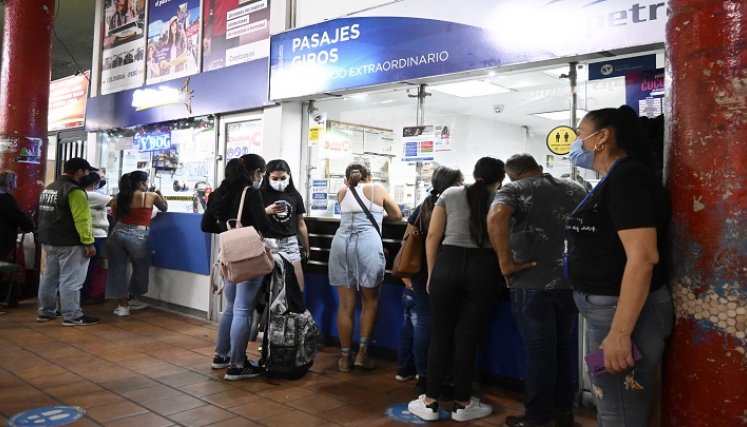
153,369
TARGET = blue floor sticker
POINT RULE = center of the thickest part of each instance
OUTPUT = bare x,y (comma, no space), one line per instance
47,416
399,412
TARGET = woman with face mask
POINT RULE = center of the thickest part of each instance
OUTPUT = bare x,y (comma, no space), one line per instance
285,207
241,297
132,210
615,263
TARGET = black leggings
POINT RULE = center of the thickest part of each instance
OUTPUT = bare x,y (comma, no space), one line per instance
465,287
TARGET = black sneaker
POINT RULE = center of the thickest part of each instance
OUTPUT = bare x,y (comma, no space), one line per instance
82,321
45,317
242,372
221,362
405,374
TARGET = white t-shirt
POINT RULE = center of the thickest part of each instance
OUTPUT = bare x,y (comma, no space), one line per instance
98,202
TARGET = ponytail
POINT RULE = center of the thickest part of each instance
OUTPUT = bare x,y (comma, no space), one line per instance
355,173
488,171
626,127
127,187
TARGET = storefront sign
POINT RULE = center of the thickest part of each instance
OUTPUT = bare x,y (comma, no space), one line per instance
559,140
153,142
67,102
234,32
218,91
173,39
621,67
319,194
443,37
123,55
644,92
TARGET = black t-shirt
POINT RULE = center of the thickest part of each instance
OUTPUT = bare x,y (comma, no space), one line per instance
284,224
630,197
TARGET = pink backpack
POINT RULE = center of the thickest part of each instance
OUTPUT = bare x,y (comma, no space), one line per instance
243,255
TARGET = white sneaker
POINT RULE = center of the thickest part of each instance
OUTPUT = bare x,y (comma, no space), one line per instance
472,411
136,304
421,410
122,311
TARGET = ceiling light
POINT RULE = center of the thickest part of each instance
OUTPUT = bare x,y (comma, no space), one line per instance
470,88
387,101
558,116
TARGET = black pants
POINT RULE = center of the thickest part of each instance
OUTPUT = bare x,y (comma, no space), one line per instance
465,287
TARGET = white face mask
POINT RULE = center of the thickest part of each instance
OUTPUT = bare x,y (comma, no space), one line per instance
280,185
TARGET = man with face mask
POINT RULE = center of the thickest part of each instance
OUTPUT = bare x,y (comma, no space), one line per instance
66,231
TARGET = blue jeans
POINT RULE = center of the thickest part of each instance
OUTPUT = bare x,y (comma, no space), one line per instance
618,406
236,323
416,329
127,244
65,269
546,320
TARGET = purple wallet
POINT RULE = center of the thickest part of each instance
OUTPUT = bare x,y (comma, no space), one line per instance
595,361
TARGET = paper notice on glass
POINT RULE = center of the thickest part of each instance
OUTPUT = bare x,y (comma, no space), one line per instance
317,128
319,194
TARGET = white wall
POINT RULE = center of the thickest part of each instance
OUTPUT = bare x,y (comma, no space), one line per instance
313,11
180,288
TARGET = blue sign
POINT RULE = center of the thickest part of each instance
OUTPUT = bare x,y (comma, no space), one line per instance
362,51
399,412
621,67
47,416
153,141
235,88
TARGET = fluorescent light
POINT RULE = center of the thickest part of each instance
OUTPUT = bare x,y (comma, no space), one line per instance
469,88
387,101
558,116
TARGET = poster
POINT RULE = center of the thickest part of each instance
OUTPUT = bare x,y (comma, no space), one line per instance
173,39
644,92
319,194
67,102
235,31
123,55
243,138
419,142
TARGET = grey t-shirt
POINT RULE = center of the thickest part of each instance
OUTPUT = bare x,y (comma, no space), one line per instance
540,205
454,200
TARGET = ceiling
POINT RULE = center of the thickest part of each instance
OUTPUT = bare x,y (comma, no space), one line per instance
74,29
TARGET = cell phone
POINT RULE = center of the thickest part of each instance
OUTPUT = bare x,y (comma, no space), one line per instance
282,204
595,361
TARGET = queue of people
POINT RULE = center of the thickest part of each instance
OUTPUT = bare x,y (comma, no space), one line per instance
546,243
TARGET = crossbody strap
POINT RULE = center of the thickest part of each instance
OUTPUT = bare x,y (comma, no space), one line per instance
365,210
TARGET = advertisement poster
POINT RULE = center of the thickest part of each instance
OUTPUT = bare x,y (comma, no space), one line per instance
235,31
319,194
243,138
67,102
644,92
123,55
173,39
418,142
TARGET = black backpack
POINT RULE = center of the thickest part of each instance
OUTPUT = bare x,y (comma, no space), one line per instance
291,334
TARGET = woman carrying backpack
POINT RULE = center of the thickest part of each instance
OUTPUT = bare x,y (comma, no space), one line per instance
243,174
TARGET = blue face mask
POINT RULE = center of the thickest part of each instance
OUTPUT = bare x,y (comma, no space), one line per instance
580,157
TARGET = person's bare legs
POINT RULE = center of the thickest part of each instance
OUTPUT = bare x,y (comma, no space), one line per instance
345,310
369,312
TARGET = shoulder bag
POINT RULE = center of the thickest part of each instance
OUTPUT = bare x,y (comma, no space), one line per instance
243,253
409,259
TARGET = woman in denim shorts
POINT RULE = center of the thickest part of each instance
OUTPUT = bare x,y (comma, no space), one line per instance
285,207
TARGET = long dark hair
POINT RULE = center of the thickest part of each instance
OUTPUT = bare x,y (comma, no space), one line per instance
274,166
488,170
355,173
253,162
127,187
626,127
235,180
443,177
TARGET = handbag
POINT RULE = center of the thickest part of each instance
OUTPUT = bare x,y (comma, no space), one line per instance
243,255
409,259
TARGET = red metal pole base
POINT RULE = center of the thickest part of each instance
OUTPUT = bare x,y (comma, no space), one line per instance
705,372
24,95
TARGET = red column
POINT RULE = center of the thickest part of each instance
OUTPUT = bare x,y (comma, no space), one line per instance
24,95
705,372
